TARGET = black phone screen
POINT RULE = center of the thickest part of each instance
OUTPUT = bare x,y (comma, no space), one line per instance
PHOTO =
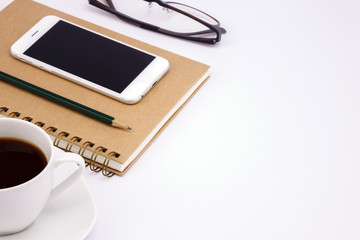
90,56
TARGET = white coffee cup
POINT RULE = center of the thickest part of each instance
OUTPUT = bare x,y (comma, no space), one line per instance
20,205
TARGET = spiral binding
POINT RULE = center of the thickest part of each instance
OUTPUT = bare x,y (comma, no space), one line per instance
14,114
94,155
83,148
59,137
93,165
50,129
3,109
29,119
71,142
105,170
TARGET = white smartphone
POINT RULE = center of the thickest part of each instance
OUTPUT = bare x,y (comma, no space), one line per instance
91,59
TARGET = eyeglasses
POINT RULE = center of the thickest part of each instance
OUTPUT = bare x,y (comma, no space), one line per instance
170,18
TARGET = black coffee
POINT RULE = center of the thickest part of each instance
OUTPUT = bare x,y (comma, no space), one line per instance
20,161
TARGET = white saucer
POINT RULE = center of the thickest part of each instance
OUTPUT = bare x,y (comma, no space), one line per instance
70,216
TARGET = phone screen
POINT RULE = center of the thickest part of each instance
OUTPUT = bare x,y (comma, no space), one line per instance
90,56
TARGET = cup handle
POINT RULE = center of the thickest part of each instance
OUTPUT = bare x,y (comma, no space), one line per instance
67,157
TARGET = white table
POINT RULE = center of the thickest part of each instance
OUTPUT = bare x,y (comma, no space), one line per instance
267,149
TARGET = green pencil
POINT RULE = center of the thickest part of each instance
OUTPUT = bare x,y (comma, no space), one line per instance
63,101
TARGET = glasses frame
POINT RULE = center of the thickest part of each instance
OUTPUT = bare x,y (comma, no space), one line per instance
194,36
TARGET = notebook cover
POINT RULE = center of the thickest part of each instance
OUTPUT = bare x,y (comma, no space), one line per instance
19,17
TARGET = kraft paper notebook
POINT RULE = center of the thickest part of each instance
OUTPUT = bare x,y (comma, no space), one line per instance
106,148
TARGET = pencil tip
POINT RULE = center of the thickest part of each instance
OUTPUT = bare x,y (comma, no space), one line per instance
120,125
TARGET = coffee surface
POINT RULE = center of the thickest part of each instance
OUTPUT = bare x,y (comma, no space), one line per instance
20,161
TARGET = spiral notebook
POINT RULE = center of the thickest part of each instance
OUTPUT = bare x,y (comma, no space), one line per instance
105,148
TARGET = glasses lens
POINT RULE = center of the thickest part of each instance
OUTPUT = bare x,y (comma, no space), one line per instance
167,18
194,12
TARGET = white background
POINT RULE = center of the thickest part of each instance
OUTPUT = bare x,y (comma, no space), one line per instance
267,149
